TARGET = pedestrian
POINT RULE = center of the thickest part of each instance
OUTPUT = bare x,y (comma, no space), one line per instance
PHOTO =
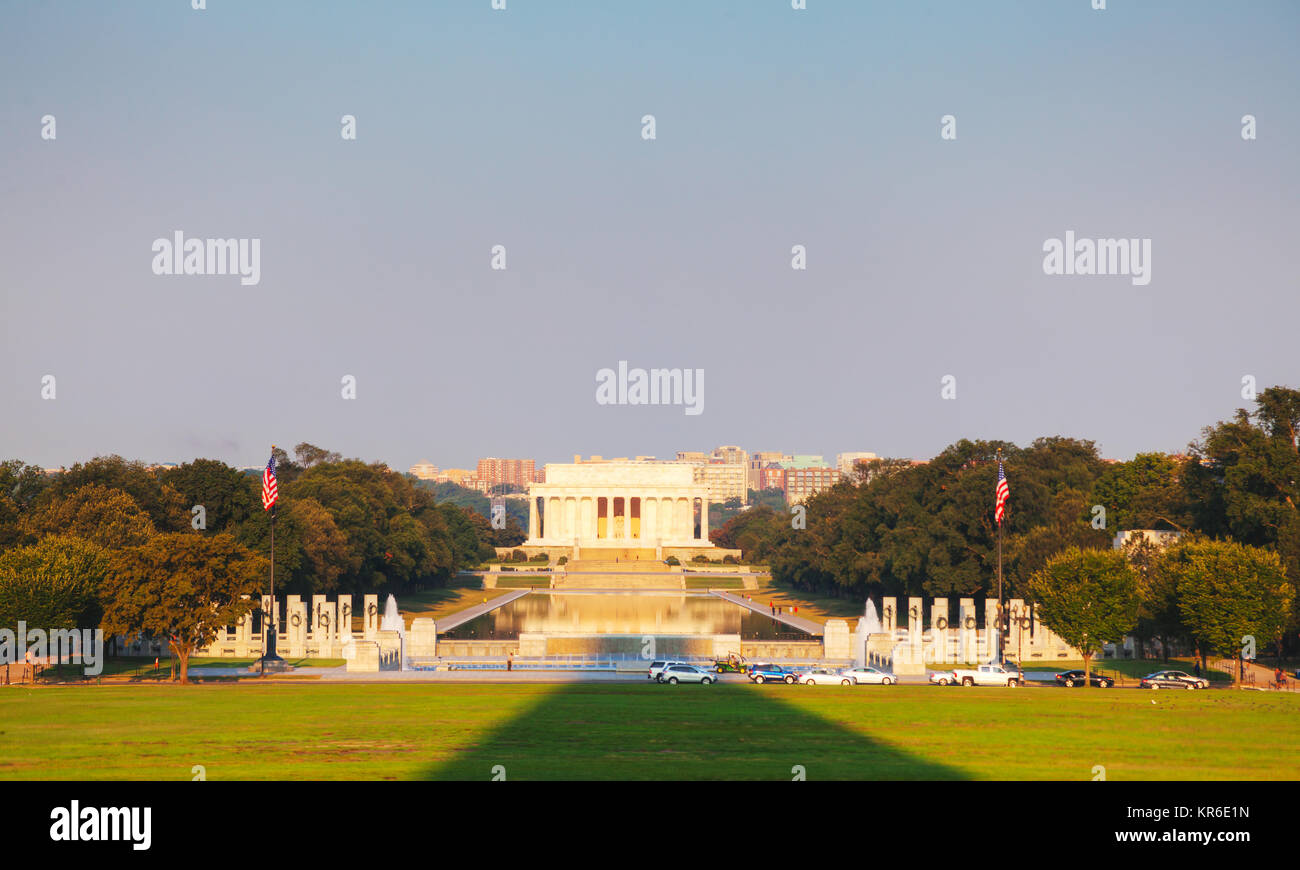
1198,667
510,662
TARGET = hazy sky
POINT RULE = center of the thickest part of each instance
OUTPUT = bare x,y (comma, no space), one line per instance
523,128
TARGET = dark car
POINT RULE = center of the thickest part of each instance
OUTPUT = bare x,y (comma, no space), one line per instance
1173,680
1076,678
771,674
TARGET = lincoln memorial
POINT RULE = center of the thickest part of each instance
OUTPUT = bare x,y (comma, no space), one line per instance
597,510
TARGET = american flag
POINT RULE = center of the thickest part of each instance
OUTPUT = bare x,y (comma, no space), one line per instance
269,492
1001,494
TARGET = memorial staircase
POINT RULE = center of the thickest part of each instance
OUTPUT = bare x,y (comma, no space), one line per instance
619,569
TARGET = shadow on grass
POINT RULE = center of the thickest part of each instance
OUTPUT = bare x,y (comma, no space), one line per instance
593,731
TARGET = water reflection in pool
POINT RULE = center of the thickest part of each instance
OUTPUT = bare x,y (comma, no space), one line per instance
623,613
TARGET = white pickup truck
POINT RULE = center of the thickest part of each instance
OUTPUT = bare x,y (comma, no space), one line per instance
988,675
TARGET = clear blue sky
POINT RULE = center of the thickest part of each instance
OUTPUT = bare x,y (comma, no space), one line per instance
522,128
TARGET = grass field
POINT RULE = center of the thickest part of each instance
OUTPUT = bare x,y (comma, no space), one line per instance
621,731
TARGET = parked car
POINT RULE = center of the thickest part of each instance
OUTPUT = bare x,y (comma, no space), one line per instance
770,674
1173,680
656,669
989,675
823,677
942,678
674,674
869,676
1076,678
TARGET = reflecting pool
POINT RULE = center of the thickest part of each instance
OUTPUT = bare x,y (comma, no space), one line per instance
623,613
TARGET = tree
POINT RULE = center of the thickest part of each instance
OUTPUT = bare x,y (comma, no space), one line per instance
11,528
1087,597
1228,592
53,584
469,535
21,483
1158,613
164,505
773,497
228,496
183,587
394,536
107,517
1145,493
753,532
311,553
309,455
1244,478
906,529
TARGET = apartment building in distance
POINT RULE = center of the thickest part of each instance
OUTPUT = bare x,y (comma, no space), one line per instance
771,476
725,472
804,479
730,454
846,463
759,461
494,471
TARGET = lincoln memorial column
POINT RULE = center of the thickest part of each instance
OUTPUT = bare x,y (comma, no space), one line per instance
609,516
704,517
533,524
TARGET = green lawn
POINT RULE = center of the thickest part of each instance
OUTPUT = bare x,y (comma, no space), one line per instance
531,581
622,731
715,582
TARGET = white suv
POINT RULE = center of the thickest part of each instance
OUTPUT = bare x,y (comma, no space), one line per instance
674,674
656,670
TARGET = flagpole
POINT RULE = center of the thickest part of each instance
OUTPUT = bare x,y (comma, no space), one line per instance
269,629
1001,617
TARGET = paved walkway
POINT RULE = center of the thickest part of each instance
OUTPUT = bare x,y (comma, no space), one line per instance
460,617
788,618
477,675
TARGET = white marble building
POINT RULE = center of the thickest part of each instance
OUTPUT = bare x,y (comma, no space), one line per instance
619,505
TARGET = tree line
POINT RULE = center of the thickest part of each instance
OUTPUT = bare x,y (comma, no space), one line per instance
928,530
173,551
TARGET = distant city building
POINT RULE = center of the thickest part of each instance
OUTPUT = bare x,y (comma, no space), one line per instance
724,480
757,462
724,471
803,481
847,462
493,471
458,476
772,476
730,454
425,470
